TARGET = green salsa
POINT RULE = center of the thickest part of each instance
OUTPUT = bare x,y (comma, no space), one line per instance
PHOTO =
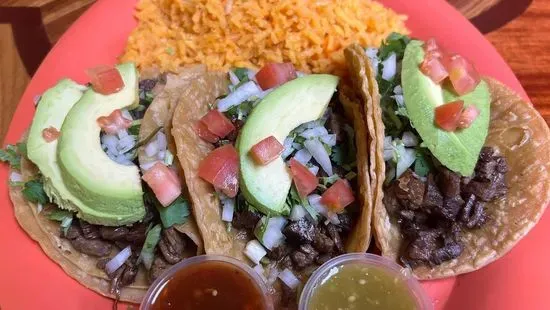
359,286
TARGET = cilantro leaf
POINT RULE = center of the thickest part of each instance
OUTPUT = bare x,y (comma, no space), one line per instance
338,155
34,192
22,148
394,43
11,156
422,164
59,214
148,249
176,213
327,181
241,73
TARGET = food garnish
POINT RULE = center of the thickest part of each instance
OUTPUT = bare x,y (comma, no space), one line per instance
164,182
221,168
266,150
105,80
114,122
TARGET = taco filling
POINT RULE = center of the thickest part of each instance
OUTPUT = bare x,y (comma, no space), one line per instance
435,109
278,160
122,226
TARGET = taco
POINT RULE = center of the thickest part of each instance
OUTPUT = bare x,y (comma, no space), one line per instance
462,161
277,174
77,190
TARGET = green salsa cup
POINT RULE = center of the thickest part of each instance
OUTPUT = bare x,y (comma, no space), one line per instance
363,281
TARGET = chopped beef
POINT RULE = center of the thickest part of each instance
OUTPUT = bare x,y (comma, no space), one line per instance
89,231
299,232
450,208
245,219
410,189
288,295
137,233
113,233
92,247
147,84
157,268
432,212
432,197
449,182
323,259
279,252
346,222
286,263
102,262
304,256
172,245
130,271
335,125
334,234
322,242
390,200
473,214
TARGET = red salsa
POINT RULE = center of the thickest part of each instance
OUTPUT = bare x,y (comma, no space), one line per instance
210,285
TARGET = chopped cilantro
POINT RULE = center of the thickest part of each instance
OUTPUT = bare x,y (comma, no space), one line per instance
59,215
135,127
148,249
34,192
176,213
394,43
241,73
22,148
11,156
422,164
338,155
327,181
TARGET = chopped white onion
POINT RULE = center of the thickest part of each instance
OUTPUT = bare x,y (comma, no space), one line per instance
303,156
254,251
125,144
16,177
233,78
241,94
39,207
251,75
126,114
273,236
314,132
228,209
161,155
122,133
297,146
409,139
399,99
329,139
261,271
152,148
387,143
297,212
110,143
388,154
147,166
119,260
168,158
406,159
123,160
398,90
287,145
289,279
390,67
318,151
315,201
372,53
161,141
314,169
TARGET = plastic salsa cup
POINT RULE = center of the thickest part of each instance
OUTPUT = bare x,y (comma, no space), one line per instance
208,282
316,288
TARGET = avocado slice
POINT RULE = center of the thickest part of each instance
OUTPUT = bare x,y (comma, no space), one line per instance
110,193
296,102
51,111
458,150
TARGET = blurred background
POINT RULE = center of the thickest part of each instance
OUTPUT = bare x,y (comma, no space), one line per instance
519,29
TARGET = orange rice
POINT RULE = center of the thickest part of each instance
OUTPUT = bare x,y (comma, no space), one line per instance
229,33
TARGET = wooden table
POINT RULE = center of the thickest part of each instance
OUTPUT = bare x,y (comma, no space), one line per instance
519,29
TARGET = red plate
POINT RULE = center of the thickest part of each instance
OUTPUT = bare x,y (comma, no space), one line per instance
29,280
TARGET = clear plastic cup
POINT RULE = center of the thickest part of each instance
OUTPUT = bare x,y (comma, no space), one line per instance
416,290
160,282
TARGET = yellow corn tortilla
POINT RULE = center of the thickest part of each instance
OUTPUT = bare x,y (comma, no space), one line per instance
521,135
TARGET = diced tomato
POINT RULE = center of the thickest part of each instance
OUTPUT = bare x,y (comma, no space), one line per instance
114,122
338,196
434,69
164,182
217,123
462,73
275,74
221,169
105,80
305,181
50,134
447,115
432,49
468,116
205,134
266,150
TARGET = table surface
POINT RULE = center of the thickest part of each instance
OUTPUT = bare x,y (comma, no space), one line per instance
519,29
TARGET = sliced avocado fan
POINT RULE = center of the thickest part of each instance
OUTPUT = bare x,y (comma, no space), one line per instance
53,107
108,193
296,102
